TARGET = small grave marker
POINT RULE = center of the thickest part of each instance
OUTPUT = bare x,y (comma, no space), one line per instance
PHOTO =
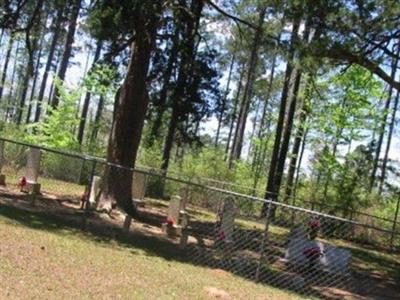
138,188
177,219
32,172
227,223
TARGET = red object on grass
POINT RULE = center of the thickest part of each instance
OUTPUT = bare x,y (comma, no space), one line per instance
22,181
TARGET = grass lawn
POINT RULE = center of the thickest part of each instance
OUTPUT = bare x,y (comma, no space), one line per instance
42,257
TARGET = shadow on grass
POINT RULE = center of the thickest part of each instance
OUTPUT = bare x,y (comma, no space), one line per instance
101,231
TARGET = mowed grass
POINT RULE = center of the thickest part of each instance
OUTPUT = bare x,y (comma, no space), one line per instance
42,257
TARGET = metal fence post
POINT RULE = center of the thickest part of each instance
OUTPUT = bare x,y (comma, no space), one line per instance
396,215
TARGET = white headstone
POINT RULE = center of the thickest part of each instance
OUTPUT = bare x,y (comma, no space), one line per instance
33,165
94,190
336,260
174,209
1,155
227,220
332,259
138,186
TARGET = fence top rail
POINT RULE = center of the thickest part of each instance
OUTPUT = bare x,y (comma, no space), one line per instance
154,172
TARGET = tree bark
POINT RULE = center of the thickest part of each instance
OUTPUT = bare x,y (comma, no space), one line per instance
130,108
88,95
67,50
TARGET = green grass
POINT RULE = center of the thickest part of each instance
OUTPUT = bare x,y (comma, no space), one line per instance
44,257
48,185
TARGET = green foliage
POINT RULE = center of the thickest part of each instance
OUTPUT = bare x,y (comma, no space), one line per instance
57,128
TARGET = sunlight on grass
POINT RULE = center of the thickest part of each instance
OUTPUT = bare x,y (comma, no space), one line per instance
65,263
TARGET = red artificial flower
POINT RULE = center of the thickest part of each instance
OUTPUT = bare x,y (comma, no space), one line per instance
314,224
22,182
312,253
221,235
168,221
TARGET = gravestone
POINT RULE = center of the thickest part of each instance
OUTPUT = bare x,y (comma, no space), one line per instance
32,171
177,218
227,221
138,188
2,176
329,258
95,190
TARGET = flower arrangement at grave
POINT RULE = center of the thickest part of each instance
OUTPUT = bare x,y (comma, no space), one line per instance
169,222
313,228
22,182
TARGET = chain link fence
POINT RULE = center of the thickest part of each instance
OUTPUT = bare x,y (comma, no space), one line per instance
288,247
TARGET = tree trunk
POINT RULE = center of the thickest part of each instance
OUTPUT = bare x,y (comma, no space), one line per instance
86,102
130,108
382,128
185,70
235,106
245,104
162,101
264,114
391,126
224,99
6,62
97,118
8,113
270,189
297,144
67,50
36,75
56,28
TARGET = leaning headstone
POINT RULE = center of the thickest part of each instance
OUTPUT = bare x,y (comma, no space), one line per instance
2,176
32,171
94,191
138,188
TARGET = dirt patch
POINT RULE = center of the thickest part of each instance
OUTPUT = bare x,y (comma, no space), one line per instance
215,293
220,273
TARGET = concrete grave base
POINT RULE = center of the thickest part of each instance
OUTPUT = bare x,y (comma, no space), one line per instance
139,203
172,230
31,187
